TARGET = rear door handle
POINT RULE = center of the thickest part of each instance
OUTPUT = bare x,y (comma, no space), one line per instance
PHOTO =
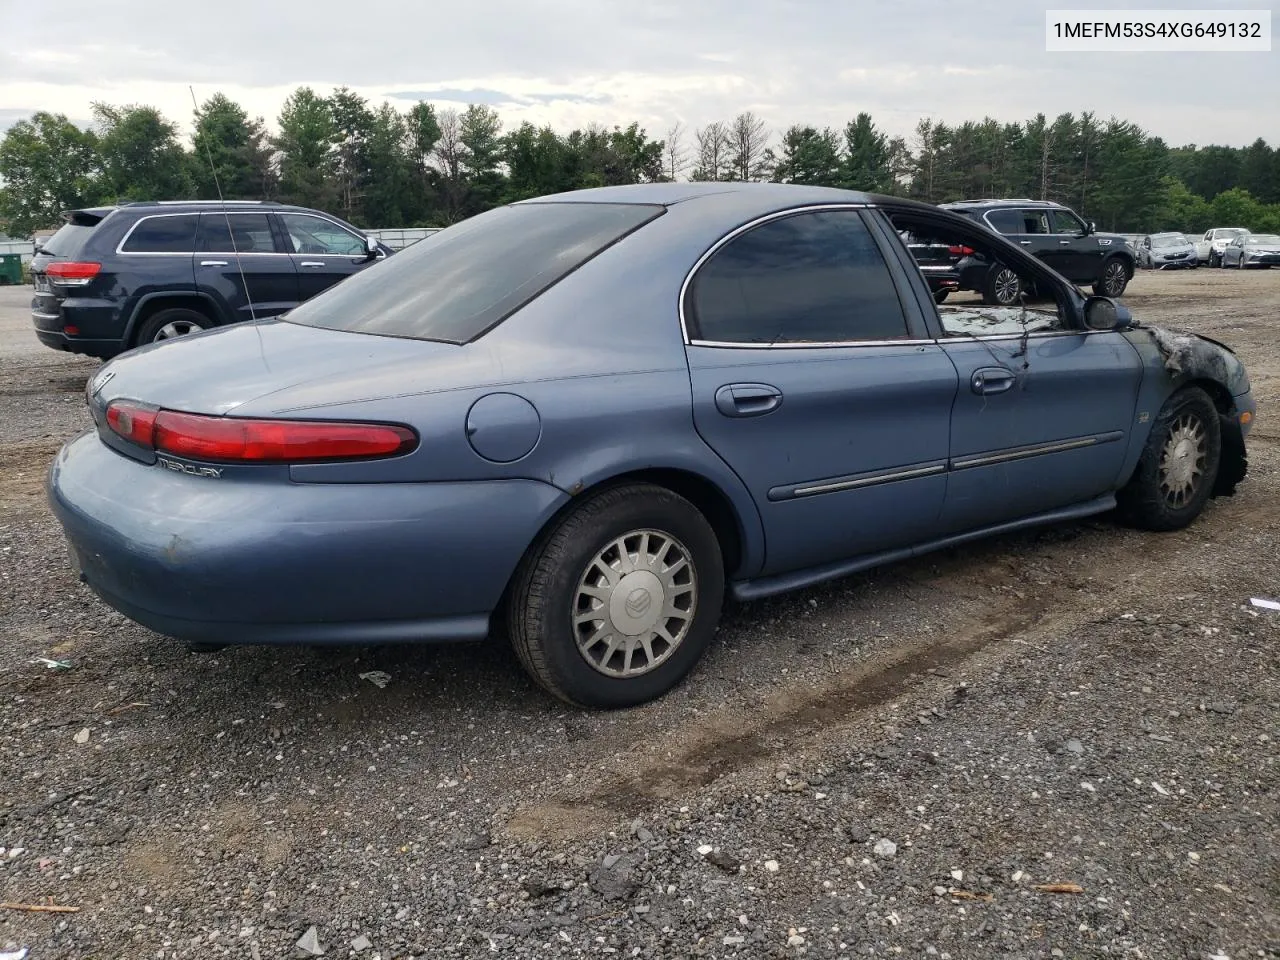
311,263
213,263
1064,242
991,380
1025,243
747,399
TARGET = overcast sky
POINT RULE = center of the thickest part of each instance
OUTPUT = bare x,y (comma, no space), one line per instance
652,61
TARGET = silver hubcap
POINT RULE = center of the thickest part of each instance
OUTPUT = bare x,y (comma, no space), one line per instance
1182,463
1115,279
179,328
1006,286
635,603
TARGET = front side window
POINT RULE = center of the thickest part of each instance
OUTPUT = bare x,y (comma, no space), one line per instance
315,235
1064,221
166,234
236,233
455,285
807,278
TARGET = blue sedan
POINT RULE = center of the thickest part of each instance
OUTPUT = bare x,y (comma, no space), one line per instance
579,421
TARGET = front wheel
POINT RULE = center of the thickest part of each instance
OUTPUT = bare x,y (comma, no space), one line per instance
1178,468
1114,278
615,606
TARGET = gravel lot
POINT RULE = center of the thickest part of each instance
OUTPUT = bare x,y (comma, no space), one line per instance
894,764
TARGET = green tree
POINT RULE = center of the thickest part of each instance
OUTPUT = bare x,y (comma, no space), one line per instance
352,129
389,179
140,155
47,165
424,133
1260,171
480,137
866,164
227,141
1183,210
306,138
809,156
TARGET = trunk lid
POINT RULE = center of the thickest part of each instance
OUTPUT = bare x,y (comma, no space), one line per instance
274,368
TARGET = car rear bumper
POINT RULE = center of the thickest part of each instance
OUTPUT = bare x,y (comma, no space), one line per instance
94,326
272,562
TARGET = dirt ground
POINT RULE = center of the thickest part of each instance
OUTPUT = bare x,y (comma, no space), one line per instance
896,764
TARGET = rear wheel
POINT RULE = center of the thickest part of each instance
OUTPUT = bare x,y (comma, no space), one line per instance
170,324
1003,288
1179,465
615,606
1113,279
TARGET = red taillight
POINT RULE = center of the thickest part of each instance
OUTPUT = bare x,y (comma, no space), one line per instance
133,421
959,251
236,440
70,273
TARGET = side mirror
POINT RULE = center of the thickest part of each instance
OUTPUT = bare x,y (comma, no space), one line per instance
371,248
1103,313
1090,227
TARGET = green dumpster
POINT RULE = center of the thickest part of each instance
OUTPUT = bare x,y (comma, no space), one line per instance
10,269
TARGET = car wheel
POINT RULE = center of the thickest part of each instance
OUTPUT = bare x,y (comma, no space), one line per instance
170,324
940,295
1179,465
1215,260
1113,280
1003,288
616,604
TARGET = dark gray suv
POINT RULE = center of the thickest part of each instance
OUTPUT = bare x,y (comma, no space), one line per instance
113,278
1055,234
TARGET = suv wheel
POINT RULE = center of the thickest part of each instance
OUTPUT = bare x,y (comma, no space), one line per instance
170,324
1003,288
1114,278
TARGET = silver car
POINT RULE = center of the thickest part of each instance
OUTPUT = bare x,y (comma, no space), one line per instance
1252,250
1167,251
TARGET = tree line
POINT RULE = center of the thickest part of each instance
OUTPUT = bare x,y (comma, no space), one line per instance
378,166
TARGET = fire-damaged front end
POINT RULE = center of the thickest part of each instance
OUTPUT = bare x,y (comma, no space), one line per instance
1177,358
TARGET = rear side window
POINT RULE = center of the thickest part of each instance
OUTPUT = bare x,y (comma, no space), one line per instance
807,278
1005,221
458,283
175,233
250,232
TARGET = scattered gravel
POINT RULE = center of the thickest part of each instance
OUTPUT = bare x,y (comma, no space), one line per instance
890,765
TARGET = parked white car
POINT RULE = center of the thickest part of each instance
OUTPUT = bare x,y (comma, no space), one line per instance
1209,248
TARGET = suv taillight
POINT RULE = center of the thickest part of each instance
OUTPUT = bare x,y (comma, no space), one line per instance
72,273
959,251
238,440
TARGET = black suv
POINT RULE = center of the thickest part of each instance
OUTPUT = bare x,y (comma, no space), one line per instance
113,278
1053,233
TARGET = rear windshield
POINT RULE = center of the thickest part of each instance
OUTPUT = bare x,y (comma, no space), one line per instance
70,238
456,284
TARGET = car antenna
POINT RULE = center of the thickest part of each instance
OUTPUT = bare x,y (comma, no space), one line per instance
222,203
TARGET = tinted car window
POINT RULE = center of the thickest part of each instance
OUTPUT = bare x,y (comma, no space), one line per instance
1005,221
309,234
250,231
809,278
69,240
166,234
1064,221
458,283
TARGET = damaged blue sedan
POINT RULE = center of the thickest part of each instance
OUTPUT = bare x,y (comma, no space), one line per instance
579,421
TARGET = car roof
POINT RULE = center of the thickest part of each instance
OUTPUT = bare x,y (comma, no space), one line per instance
976,204
740,195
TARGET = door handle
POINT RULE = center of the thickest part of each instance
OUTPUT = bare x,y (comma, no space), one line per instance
991,380
213,263
1064,242
311,263
747,399
1025,243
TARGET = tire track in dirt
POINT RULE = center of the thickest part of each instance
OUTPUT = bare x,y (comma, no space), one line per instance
792,722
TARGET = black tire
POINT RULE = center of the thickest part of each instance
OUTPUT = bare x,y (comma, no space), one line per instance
172,319
1146,501
1002,288
1113,279
206,647
940,295
540,613
1215,260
